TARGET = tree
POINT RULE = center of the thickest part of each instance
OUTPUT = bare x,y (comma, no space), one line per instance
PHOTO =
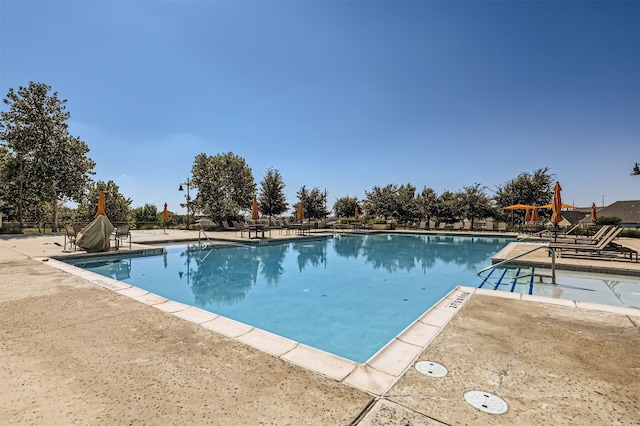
146,213
271,199
346,207
427,202
448,209
406,205
313,203
45,162
475,203
117,207
525,189
381,202
225,185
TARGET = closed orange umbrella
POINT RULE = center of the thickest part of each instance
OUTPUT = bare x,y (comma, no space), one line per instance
165,217
101,205
534,214
254,210
593,213
300,212
556,217
357,215
527,216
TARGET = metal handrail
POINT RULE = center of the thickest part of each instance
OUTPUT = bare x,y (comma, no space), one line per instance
201,232
495,265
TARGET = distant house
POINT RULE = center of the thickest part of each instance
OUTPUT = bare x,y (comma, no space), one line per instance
627,211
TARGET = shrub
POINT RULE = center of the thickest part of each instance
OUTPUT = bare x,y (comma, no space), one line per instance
630,233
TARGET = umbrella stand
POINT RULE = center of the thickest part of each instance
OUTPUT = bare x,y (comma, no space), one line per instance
553,265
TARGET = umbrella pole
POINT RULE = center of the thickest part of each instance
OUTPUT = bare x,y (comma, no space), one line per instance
553,265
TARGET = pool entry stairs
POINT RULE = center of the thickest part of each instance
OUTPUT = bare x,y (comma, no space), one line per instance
513,279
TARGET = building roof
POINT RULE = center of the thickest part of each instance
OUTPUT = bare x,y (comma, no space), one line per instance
627,211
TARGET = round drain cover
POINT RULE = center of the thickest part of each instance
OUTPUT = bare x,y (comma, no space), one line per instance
486,402
430,368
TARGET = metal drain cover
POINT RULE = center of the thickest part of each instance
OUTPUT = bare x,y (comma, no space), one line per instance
430,368
486,402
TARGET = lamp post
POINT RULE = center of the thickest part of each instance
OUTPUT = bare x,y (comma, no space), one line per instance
635,171
188,183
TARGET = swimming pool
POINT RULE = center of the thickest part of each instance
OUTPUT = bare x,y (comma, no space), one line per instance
347,295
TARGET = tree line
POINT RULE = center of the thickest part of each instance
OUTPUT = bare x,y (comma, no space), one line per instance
43,167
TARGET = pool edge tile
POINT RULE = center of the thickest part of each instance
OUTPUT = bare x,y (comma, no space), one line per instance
195,315
419,334
227,327
395,357
321,362
607,308
171,307
267,342
549,300
368,379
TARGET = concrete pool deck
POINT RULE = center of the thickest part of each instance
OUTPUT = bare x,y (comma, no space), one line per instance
75,352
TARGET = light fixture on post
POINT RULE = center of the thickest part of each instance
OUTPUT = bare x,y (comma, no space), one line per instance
188,183
635,171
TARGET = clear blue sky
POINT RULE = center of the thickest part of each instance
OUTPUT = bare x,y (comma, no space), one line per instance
342,95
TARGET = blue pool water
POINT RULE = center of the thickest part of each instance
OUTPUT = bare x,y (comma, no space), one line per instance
348,295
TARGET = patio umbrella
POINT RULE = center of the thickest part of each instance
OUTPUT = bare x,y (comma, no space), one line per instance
593,213
254,210
564,206
534,213
101,205
527,216
300,212
165,217
556,216
518,207
357,215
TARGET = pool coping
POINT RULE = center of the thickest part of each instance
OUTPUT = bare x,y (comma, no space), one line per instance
376,376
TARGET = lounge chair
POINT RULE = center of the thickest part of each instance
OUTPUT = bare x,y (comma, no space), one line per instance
238,226
70,238
423,225
122,233
580,249
467,226
502,227
489,225
457,226
442,226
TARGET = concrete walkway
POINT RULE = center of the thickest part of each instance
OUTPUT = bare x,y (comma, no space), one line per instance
73,352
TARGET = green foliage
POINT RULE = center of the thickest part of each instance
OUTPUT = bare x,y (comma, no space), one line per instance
630,233
117,207
271,199
381,202
449,207
146,213
427,203
608,220
345,207
525,189
225,185
475,203
313,203
407,208
40,160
